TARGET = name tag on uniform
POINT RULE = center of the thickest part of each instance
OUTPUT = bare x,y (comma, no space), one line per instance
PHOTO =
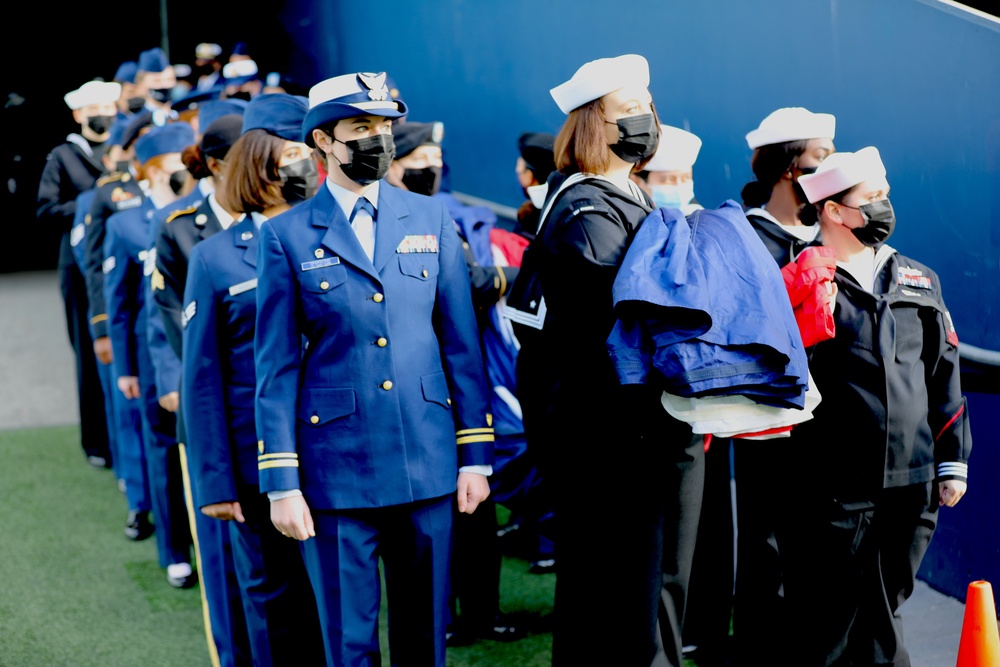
418,243
320,263
126,204
244,286
913,278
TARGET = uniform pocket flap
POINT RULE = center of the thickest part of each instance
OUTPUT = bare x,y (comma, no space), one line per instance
319,406
435,388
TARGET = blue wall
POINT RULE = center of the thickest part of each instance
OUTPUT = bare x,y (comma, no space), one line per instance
916,78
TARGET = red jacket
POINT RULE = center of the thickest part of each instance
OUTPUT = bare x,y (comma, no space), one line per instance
808,281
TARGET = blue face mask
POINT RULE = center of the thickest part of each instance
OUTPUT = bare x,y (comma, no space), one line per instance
673,196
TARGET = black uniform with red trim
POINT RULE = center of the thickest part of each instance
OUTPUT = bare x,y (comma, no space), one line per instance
892,398
892,423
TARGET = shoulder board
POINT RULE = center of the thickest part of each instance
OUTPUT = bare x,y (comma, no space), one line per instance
110,178
183,211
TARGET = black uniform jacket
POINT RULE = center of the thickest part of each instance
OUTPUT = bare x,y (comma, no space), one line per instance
68,171
784,247
892,412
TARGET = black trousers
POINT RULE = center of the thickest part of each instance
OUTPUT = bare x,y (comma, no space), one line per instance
90,393
628,490
849,567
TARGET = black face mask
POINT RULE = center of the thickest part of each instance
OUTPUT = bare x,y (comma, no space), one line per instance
299,180
240,95
100,124
425,181
161,95
368,158
638,137
880,220
135,104
121,166
178,180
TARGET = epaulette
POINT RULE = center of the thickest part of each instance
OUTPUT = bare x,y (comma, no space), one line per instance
183,211
110,178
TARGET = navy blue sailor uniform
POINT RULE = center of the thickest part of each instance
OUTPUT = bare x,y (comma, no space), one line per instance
895,415
371,393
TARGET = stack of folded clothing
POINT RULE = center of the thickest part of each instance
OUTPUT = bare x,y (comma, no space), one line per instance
703,312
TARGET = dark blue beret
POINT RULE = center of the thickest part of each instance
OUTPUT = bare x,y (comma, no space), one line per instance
134,125
213,109
409,135
170,138
280,114
126,72
153,60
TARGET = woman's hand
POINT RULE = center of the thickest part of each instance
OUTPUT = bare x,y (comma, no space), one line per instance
225,511
473,489
951,491
292,518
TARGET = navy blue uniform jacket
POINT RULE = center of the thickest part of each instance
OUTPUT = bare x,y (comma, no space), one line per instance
218,378
370,383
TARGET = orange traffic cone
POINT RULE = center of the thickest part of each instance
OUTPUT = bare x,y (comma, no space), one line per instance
980,643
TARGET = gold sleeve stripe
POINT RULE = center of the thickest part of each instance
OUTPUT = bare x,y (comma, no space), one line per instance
475,438
286,455
503,281
98,318
471,431
277,464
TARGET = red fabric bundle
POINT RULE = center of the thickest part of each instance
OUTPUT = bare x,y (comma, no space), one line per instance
807,280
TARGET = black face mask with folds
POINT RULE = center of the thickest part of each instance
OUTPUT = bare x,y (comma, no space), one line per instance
240,95
161,95
135,104
426,181
638,137
368,158
880,221
299,180
178,180
100,124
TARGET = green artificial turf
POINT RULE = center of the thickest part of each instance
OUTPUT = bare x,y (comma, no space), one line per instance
76,593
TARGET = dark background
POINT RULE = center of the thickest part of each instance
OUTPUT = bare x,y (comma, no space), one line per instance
59,49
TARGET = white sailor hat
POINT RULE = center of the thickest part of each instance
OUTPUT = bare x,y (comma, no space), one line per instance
792,124
207,51
347,96
842,171
239,72
677,150
600,77
93,92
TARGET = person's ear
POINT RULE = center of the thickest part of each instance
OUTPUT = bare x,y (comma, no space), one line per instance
323,141
832,210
